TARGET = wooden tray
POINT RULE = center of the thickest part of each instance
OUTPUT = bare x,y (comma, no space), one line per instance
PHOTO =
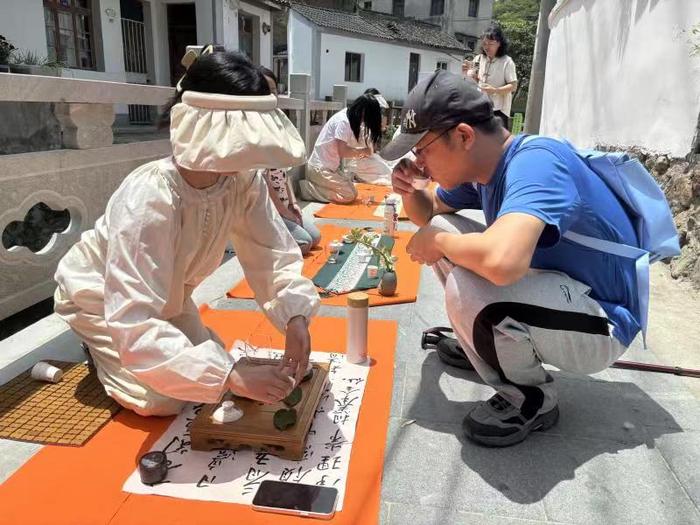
255,429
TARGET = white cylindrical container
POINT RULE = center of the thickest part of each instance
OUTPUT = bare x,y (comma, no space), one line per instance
358,312
372,271
389,219
45,372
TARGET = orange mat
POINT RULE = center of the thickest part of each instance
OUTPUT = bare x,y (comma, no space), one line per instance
76,486
407,271
357,210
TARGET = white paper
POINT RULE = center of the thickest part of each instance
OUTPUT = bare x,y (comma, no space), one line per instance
234,476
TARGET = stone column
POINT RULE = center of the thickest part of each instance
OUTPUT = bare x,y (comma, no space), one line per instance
533,111
85,126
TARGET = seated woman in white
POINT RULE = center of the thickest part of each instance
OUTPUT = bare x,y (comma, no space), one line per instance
353,132
373,169
125,288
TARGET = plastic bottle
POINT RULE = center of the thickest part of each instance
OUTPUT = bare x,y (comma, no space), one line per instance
390,217
358,310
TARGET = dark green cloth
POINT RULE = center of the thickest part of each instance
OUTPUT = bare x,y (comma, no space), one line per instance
328,271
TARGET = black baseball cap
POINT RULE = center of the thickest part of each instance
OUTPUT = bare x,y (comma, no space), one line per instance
440,101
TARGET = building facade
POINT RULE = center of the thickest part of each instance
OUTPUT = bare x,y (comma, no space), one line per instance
366,49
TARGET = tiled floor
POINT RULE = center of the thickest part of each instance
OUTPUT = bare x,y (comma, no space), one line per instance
626,449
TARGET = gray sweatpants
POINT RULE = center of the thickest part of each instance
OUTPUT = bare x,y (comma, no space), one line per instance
508,332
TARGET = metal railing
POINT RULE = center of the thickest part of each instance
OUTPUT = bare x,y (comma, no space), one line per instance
134,44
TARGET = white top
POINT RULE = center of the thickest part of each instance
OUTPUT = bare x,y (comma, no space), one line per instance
497,73
158,239
325,154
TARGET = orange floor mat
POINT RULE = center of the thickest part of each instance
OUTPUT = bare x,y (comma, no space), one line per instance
408,271
76,486
357,210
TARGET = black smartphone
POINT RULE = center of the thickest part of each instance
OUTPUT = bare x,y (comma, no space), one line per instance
294,498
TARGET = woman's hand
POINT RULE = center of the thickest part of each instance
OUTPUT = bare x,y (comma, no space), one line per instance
488,88
266,383
297,347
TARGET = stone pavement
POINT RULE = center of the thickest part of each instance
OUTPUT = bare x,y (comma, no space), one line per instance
626,449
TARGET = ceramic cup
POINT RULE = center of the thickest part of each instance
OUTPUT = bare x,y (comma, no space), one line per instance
372,271
420,183
45,372
347,239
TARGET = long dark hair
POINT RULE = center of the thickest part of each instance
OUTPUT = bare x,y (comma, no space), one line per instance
365,109
494,32
223,72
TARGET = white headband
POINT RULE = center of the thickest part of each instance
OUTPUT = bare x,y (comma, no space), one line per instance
227,133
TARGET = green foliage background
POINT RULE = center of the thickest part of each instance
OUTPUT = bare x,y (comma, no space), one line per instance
518,19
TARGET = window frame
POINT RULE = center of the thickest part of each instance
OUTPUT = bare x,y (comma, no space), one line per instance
434,5
74,11
398,7
473,7
440,64
346,75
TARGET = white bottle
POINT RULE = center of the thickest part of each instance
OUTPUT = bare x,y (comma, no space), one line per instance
389,217
358,313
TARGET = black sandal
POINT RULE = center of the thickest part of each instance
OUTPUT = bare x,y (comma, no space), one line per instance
448,349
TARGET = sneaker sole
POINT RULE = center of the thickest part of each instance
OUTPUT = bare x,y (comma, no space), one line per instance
540,423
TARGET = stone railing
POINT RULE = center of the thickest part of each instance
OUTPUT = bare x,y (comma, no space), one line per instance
81,177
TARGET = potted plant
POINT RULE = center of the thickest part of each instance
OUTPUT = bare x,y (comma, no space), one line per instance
388,281
6,50
30,63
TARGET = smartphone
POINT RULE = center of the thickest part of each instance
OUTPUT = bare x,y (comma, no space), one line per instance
294,498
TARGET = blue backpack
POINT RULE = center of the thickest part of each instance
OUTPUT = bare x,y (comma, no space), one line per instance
647,208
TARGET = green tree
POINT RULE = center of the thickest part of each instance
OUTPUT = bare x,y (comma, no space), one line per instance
518,19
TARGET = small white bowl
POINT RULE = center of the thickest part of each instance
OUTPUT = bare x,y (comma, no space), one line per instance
420,183
347,239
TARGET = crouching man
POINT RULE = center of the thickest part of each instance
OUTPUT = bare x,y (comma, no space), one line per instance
518,292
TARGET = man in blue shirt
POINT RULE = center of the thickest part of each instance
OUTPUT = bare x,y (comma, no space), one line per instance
518,294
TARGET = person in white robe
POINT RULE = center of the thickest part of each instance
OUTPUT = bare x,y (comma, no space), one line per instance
126,287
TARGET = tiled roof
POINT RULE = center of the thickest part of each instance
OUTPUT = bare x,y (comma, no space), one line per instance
379,25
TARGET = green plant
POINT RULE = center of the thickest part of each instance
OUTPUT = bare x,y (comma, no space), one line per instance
30,58
6,50
364,238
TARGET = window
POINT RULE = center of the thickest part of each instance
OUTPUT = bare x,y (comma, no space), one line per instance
468,41
473,8
413,69
353,67
397,7
437,7
367,5
441,65
69,32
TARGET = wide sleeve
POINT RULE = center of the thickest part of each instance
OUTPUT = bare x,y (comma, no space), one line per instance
139,280
510,73
271,259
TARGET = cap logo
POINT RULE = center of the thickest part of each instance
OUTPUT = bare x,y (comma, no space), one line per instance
409,121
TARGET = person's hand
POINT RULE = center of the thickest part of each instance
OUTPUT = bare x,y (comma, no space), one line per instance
422,247
296,216
266,383
402,177
487,88
297,347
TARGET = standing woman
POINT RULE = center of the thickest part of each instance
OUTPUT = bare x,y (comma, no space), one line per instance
126,287
352,133
494,71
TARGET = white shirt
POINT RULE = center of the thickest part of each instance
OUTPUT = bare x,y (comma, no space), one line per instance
325,154
497,73
158,239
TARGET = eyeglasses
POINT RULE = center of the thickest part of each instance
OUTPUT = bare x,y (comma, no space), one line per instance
418,151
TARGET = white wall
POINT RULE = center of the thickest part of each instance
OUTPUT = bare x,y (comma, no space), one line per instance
300,44
621,74
385,65
22,23
265,39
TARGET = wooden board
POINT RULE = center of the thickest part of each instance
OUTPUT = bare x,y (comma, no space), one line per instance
256,429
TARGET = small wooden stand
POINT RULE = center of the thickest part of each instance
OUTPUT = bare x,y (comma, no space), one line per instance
255,429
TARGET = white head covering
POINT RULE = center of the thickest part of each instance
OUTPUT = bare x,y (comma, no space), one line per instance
227,133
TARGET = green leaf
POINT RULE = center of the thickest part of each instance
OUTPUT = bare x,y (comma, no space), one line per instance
293,398
285,418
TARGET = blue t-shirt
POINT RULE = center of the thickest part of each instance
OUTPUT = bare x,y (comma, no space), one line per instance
547,179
